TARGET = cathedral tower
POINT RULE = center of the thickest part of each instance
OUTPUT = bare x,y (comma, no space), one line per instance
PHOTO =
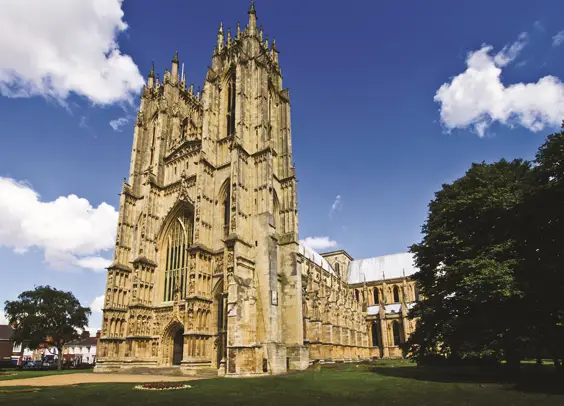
205,272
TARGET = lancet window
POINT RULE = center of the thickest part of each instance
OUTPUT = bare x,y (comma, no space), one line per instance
177,241
226,212
396,332
230,111
375,334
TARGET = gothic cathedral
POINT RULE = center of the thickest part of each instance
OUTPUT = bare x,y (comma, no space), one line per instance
208,273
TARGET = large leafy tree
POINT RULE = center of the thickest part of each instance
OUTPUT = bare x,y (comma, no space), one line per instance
542,239
468,261
46,316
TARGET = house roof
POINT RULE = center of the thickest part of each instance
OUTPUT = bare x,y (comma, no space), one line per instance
380,268
85,342
6,332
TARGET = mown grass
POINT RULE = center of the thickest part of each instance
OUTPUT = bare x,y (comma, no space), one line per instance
383,383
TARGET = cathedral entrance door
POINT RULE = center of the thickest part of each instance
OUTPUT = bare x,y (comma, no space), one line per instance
177,352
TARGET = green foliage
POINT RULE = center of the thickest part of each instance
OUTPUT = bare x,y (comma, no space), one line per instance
491,263
46,316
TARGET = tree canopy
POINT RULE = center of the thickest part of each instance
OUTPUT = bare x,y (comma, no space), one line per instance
490,262
46,316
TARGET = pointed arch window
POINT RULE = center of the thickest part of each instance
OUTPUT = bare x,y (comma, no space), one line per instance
417,293
396,333
184,129
375,334
226,211
338,269
179,237
396,294
230,111
151,162
376,296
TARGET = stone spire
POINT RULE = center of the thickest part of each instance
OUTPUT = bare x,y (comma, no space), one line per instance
174,71
151,80
274,52
252,19
220,37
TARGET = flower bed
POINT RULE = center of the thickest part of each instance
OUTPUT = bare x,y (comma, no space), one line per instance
162,386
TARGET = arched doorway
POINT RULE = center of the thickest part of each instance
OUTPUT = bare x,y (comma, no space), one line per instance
178,347
172,344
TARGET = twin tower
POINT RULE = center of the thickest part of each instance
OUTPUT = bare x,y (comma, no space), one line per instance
205,273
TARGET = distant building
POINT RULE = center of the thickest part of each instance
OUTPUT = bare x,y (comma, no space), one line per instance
6,344
82,351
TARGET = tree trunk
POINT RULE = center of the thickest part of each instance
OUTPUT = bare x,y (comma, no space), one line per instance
60,359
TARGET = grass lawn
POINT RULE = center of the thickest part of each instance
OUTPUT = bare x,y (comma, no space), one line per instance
22,374
383,383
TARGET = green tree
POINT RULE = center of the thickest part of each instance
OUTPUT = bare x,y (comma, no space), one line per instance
542,273
468,263
46,316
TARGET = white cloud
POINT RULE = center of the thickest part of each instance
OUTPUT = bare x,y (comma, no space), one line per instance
319,243
558,39
118,123
3,319
51,49
94,263
336,206
476,98
95,319
97,304
69,230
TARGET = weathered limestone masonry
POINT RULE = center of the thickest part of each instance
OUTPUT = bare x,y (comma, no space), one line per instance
208,272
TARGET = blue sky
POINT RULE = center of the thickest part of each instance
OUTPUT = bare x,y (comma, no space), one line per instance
386,106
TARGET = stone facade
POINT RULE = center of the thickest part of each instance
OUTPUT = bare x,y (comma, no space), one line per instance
208,272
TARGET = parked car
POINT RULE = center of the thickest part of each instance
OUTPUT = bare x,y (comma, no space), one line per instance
31,365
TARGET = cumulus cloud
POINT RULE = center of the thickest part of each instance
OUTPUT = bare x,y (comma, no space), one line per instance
118,123
97,304
95,319
69,230
319,243
558,39
336,206
93,263
54,49
3,318
476,98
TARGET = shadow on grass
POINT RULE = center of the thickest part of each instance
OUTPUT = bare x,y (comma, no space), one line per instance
529,378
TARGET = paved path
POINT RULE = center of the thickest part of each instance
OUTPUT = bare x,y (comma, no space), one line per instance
74,379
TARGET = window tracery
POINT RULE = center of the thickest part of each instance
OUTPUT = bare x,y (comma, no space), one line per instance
179,238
